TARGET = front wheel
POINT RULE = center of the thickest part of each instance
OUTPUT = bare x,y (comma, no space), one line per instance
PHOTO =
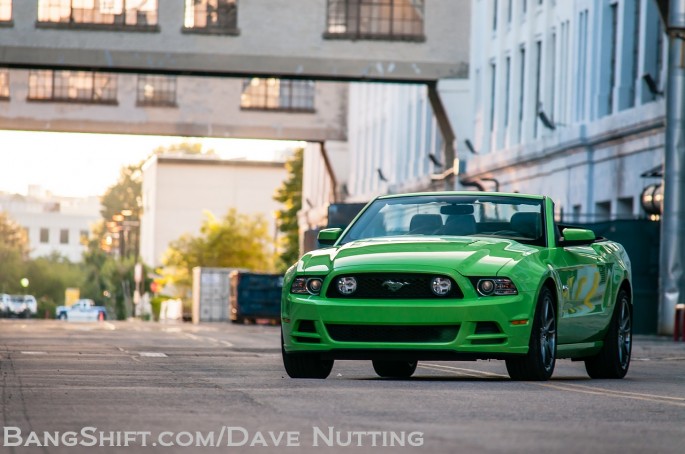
305,365
538,363
614,358
394,369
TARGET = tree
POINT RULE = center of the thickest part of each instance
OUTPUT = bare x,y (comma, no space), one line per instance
13,254
234,241
290,195
126,194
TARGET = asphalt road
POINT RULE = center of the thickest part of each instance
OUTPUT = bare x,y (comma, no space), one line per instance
147,384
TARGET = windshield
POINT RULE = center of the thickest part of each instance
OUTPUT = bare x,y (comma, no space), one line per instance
515,218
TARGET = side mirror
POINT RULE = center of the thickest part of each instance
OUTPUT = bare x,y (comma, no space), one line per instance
572,237
328,237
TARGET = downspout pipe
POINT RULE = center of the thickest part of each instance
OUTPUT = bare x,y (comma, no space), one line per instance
672,249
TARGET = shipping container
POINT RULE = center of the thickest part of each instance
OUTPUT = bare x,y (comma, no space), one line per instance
255,296
211,291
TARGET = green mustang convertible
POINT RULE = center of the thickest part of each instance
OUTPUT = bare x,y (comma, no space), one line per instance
459,276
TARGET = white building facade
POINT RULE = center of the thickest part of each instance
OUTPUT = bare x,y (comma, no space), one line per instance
179,190
395,143
567,101
54,225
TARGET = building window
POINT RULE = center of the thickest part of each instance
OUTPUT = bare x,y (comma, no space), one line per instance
44,235
73,86
83,237
602,211
582,65
140,15
4,83
494,15
375,19
5,12
156,90
507,89
64,236
278,94
538,65
612,60
493,87
577,213
211,16
522,90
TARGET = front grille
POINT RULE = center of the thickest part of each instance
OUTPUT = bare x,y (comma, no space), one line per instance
378,286
393,333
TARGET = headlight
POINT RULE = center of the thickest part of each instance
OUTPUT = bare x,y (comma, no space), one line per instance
347,285
307,286
496,287
441,286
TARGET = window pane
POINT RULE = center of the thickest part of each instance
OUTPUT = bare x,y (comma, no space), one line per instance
277,94
376,18
103,12
4,83
156,90
72,86
5,10
211,14
44,235
64,236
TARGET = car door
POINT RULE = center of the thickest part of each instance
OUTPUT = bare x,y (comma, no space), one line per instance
583,275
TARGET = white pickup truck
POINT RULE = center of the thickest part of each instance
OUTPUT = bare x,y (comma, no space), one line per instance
83,310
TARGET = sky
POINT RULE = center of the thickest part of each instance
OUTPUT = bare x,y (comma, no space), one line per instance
79,165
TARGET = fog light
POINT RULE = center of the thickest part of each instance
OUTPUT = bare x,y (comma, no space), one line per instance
441,286
347,285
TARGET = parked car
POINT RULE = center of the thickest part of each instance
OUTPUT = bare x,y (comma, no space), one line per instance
459,276
18,305
83,310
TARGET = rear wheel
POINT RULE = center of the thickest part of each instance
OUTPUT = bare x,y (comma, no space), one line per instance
305,365
538,363
614,358
394,369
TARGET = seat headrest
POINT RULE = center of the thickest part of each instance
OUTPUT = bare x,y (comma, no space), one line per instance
528,224
425,223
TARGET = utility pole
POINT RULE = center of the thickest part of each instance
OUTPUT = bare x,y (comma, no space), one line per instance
672,254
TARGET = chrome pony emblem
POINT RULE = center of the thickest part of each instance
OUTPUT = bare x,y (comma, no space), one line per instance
394,286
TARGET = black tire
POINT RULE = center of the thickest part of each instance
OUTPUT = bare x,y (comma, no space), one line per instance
238,320
538,363
305,365
613,359
62,316
394,369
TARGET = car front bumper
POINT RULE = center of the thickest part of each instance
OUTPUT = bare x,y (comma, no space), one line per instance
469,328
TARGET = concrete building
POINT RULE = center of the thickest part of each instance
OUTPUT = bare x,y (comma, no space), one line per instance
567,101
394,145
54,224
318,39
178,190
80,101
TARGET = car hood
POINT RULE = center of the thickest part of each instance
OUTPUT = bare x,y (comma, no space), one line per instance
470,256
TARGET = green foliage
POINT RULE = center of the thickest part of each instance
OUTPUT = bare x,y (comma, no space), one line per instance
290,195
156,304
234,241
13,252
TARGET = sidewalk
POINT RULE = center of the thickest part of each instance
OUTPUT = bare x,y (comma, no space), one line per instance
652,347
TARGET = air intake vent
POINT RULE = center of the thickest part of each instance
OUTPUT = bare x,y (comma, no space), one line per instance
393,333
